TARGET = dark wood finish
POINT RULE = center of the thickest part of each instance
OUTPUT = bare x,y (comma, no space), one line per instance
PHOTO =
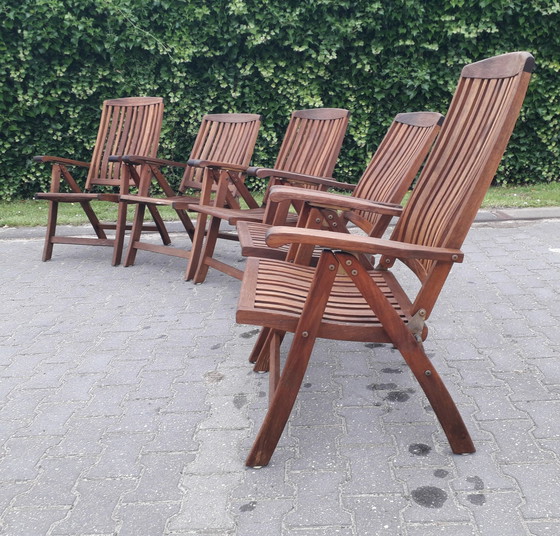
222,149
310,146
375,198
127,125
345,299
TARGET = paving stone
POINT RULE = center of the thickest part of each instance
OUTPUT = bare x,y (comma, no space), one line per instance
19,462
50,419
370,470
430,497
376,515
54,484
318,500
205,504
540,486
515,441
252,516
141,518
121,456
320,452
93,510
31,521
161,476
505,518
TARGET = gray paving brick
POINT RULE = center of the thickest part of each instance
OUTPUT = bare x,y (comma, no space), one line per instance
19,461
370,470
54,484
50,420
318,500
161,477
120,457
252,516
540,486
197,512
141,518
377,514
31,521
93,510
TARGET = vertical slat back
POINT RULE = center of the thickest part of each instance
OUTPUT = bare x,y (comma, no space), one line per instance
397,161
312,141
466,155
227,138
128,126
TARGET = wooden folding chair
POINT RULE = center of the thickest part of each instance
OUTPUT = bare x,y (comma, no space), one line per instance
128,125
385,181
344,299
310,146
223,147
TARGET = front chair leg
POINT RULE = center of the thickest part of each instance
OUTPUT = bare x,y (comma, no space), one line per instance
51,229
135,234
119,233
282,401
287,385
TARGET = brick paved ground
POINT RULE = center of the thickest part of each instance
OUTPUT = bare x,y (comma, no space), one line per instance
128,406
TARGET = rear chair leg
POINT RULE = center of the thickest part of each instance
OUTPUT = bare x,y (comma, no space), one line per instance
443,405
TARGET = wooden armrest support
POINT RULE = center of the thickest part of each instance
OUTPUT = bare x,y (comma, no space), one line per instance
135,160
215,164
58,160
301,178
278,236
332,200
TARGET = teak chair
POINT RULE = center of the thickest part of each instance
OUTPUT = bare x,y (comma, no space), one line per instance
128,125
386,179
310,146
226,140
345,300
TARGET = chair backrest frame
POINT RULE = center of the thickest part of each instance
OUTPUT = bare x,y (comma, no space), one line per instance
462,165
394,165
129,125
228,137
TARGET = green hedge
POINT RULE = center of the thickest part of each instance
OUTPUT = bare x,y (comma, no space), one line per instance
59,59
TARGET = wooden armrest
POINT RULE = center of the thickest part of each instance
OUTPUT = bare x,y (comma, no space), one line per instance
58,160
215,164
332,200
301,178
278,236
136,160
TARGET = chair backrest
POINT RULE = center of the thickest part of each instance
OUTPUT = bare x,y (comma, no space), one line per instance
395,164
462,163
312,141
227,138
130,125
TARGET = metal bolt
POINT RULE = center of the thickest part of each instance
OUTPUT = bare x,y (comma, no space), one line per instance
305,334
331,267
454,257
330,216
317,220
387,261
428,373
334,224
354,272
348,262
